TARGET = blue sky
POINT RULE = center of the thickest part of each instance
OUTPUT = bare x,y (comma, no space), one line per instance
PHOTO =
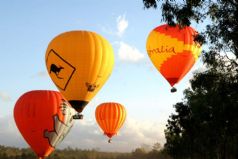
25,31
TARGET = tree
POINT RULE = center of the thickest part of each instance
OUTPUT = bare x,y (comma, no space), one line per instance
156,146
139,153
205,124
222,29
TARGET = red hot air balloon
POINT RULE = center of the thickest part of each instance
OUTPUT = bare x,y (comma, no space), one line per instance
173,51
44,118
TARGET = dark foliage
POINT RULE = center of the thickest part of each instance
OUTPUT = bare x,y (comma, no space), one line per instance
205,124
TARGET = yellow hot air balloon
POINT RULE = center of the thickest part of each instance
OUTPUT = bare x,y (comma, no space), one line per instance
79,63
110,117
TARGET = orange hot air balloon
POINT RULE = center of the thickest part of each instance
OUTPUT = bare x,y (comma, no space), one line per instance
44,118
110,117
173,51
79,63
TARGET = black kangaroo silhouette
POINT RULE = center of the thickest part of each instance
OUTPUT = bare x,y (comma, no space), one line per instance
56,70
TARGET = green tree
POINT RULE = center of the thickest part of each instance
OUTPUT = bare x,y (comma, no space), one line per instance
139,153
221,19
156,147
70,153
205,125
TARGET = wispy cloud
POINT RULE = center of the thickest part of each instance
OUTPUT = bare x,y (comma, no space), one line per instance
126,52
129,53
41,74
4,96
122,24
86,134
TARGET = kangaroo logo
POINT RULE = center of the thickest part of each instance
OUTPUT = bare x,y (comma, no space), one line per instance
61,128
91,87
55,69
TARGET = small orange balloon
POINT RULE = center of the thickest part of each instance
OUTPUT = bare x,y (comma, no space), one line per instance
43,118
110,117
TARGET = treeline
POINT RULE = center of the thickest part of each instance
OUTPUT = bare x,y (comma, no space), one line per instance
70,153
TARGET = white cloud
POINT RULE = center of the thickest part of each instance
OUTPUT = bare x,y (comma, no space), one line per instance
5,97
122,24
9,134
86,134
129,53
41,74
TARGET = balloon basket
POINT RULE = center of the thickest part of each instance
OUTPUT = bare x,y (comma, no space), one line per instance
109,140
173,89
78,116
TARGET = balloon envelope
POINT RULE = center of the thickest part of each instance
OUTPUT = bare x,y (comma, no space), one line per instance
110,117
173,51
79,63
44,118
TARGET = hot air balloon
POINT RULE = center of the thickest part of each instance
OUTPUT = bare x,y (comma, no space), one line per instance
79,63
43,118
110,117
173,51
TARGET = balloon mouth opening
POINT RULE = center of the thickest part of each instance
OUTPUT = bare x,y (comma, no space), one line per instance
109,134
78,105
172,81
